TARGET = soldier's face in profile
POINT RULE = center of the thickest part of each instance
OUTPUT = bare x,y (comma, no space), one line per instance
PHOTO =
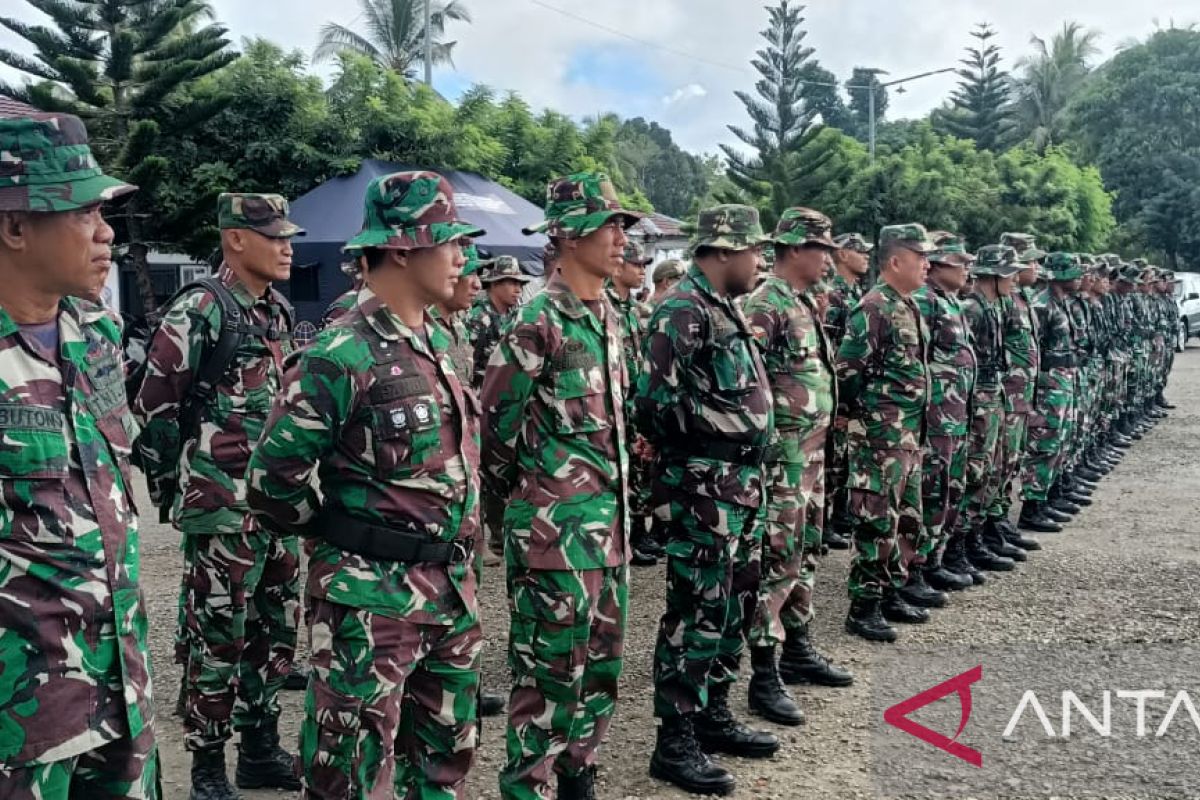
267,258
810,262
433,271
853,260
505,293
67,252
910,269
464,293
741,269
602,252
1004,286
1028,276
952,276
631,276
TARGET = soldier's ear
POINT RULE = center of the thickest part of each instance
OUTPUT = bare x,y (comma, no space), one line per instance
233,240
14,230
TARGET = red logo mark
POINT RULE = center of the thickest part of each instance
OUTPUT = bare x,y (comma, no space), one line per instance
897,715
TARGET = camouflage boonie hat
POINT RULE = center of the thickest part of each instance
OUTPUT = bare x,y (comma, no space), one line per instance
1140,262
473,262
580,204
503,268
410,211
1130,274
1060,266
801,226
47,166
636,254
1025,244
853,241
728,227
910,236
669,270
951,250
262,213
996,260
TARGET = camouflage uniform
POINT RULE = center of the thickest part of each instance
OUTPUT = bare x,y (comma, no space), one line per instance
484,321
76,713
705,405
237,577
554,450
378,409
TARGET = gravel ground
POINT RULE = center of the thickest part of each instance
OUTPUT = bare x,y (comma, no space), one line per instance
1123,573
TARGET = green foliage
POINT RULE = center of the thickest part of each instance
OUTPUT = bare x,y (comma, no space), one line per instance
860,100
395,34
648,157
1049,79
980,105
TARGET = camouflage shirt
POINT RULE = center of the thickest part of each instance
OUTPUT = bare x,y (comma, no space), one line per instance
843,297
799,365
882,372
378,410
985,319
1056,330
1021,344
554,438
484,323
705,385
462,353
1081,315
74,665
631,315
952,365
212,465
339,307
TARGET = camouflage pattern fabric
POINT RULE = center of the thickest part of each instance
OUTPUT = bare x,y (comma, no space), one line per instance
48,166
1051,425
69,562
799,366
127,768
1019,383
341,305
484,323
632,315
728,227
853,241
842,298
408,210
882,372
579,204
801,226
264,213
985,456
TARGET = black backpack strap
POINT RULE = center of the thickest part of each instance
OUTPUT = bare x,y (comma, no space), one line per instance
231,331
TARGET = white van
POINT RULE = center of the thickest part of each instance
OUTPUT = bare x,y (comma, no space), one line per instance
1187,294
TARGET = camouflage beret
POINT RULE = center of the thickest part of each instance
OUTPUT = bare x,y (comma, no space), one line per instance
853,241
47,166
1060,266
910,236
580,204
263,213
728,227
636,254
800,226
951,250
1025,244
503,268
410,211
669,270
996,260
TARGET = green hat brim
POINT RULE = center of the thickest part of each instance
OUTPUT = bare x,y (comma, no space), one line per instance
577,226
736,245
951,259
1066,275
1032,254
64,195
413,237
278,229
522,278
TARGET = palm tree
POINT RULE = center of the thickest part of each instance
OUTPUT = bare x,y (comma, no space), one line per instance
1049,78
394,35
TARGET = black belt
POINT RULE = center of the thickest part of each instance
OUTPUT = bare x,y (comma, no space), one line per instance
385,543
731,452
1052,361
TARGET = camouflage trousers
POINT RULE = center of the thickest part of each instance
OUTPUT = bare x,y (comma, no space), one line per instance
791,544
943,487
1050,429
714,553
235,583
565,649
836,467
885,506
124,769
1012,445
985,454
390,709
493,521
1139,379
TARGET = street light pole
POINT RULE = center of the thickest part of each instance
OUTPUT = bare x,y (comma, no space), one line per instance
875,86
871,119
429,43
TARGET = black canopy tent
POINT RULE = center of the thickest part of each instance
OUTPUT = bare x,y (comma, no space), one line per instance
332,213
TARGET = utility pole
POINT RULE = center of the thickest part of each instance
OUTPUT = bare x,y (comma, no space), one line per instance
429,43
875,86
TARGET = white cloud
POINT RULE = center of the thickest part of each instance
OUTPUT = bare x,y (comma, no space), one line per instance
683,93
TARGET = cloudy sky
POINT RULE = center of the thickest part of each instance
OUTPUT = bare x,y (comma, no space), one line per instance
693,54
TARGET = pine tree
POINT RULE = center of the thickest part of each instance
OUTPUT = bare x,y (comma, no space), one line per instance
860,101
121,66
980,105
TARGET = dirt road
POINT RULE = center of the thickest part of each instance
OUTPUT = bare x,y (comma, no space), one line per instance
1123,572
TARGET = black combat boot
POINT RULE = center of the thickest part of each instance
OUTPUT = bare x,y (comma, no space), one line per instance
297,679
767,695
943,579
491,704
209,781
916,592
678,760
262,763
994,540
983,558
866,621
1076,495
800,662
956,561
1060,503
578,787
639,538
1090,473
1016,539
718,731
833,539
1162,402
1033,518
896,610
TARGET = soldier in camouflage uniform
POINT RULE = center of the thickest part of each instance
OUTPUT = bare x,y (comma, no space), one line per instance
1075,488
784,320
704,403
352,269
237,577
1170,323
554,452
73,723
995,272
851,263
375,406
1116,319
952,369
884,380
664,278
502,281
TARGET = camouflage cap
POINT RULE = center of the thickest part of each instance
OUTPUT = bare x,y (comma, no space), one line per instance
263,213
853,241
910,236
503,268
636,254
47,166
1025,244
580,204
728,227
951,250
410,211
996,260
1130,274
669,270
1139,262
800,226
1111,259
473,262
1060,266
